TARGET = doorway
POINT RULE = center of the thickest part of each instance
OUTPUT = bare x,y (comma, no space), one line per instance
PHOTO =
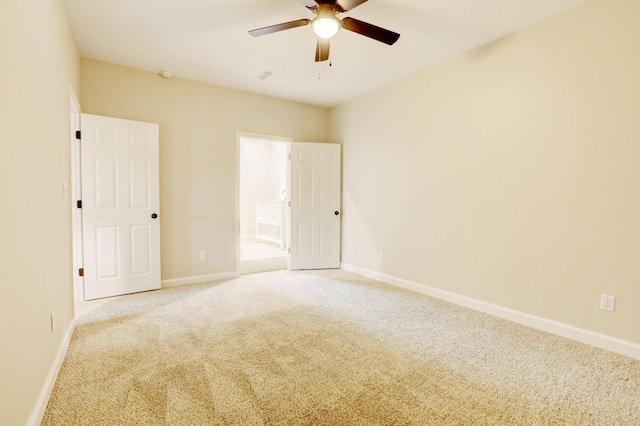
262,203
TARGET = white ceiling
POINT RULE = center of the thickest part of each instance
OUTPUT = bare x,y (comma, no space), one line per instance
207,40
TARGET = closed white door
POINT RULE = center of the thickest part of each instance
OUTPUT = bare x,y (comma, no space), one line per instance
314,186
120,206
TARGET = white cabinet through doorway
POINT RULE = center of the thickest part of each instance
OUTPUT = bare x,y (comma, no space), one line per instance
271,214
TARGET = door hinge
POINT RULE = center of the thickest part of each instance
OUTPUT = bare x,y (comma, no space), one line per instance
81,272
79,204
289,250
78,133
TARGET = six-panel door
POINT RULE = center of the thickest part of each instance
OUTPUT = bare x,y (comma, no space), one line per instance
315,206
120,196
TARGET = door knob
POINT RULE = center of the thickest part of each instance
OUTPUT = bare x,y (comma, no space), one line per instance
336,213
154,216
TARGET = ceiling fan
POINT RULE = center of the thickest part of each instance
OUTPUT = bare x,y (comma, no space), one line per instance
326,24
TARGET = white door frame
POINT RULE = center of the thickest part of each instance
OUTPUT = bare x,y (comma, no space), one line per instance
239,136
76,194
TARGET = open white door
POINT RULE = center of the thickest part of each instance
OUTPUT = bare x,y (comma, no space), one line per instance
314,186
120,203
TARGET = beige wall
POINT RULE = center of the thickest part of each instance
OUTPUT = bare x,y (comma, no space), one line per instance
38,62
510,174
198,125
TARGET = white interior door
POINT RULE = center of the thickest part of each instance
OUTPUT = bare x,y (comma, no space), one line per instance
314,187
120,206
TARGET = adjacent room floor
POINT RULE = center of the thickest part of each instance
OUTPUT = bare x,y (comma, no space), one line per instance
252,250
261,256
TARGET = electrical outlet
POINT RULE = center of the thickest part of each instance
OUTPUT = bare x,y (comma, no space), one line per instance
381,255
607,302
53,319
203,255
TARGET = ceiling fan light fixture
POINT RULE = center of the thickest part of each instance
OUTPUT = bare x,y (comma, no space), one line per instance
325,26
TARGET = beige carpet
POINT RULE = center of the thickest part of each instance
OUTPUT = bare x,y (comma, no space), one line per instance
326,348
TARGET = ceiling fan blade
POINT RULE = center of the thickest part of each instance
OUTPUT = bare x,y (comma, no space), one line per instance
346,5
279,27
370,30
309,4
322,49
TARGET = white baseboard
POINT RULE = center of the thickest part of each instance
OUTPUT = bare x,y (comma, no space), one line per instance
198,279
45,393
599,340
